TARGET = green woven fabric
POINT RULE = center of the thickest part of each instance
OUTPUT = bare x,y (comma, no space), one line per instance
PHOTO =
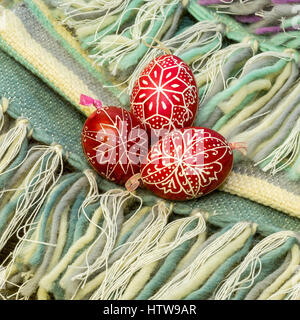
73,235
53,119
233,208
48,128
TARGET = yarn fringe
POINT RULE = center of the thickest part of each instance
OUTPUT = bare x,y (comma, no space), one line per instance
285,155
149,21
11,141
212,70
146,249
39,181
237,280
28,238
213,248
201,34
3,107
292,293
78,13
111,203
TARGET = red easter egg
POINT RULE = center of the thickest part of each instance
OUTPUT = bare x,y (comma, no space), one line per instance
165,96
187,163
114,141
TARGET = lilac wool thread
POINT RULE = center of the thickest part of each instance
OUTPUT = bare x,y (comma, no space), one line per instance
248,18
274,29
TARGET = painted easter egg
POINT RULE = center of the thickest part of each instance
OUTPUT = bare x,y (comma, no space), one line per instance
187,163
114,142
165,96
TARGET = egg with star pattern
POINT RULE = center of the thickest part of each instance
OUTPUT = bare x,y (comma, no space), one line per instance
165,96
114,142
187,163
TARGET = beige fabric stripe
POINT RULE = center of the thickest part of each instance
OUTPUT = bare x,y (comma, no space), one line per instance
47,66
263,192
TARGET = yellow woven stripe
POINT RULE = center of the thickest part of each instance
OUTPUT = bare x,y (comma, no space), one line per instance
262,192
62,31
17,37
67,36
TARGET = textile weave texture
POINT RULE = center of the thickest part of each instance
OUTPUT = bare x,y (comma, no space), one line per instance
66,233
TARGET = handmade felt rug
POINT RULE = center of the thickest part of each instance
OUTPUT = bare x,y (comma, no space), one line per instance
66,233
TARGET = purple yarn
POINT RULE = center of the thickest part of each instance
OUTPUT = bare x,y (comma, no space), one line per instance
274,29
248,18
263,30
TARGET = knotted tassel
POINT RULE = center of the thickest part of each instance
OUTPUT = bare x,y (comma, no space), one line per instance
3,107
57,232
152,245
201,35
193,276
31,194
237,278
96,256
285,154
118,276
11,141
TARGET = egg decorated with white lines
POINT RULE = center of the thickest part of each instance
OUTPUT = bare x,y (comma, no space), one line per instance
187,163
114,142
165,96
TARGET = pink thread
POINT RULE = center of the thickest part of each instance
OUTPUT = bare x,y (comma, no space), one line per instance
134,182
88,101
239,146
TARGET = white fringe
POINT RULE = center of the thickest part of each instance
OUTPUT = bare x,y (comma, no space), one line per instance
3,107
110,216
102,6
187,274
208,74
105,8
11,143
112,49
2,277
37,186
287,55
285,154
190,37
121,268
294,293
291,293
92,196
233,282
145,249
